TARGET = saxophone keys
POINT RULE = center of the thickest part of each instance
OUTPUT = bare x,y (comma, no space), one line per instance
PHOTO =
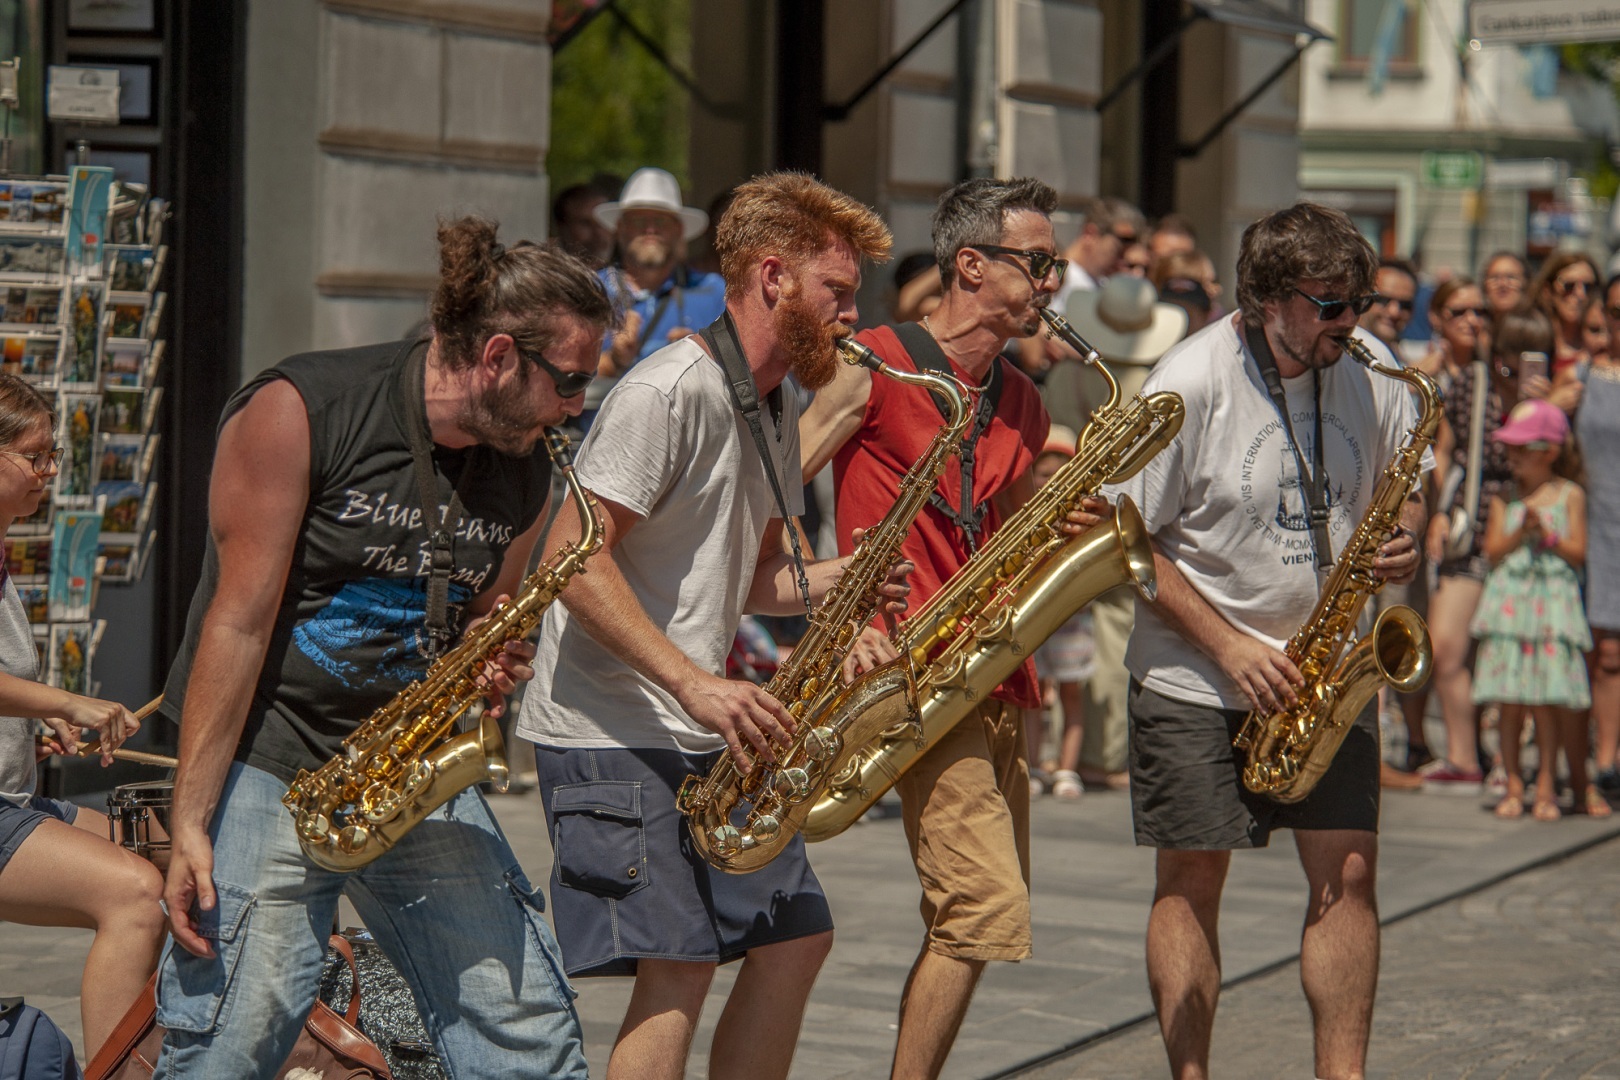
763,827
793,785
727,839
822,744
353,839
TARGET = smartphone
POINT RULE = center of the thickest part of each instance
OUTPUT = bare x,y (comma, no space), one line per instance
1532,363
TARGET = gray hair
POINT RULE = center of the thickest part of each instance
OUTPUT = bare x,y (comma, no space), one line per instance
975,212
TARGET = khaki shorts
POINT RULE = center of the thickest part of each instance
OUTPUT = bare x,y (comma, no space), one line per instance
966,809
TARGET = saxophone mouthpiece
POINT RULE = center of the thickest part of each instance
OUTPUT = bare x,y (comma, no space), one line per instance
855,354
559,447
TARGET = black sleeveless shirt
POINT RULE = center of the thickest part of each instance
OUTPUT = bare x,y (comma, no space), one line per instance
349,631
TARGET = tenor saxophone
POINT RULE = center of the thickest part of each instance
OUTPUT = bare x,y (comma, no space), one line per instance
772,799
406,760
1289,750
1011,595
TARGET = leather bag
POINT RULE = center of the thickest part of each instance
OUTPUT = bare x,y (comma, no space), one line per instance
330,1046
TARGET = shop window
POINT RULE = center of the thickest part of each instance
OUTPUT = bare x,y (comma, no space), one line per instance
1361,25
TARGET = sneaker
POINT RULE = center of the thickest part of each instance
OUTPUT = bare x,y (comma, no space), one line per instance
1442,777
1066,785
1608,781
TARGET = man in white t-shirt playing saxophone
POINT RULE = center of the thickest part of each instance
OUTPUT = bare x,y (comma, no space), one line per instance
628,698
1240,561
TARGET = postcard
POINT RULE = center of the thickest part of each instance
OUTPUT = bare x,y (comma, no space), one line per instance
121,457
35,601
73,563
31,306
28,556
123,362
30,257
131,267
80,414
70,657
35,357
80,358
89,200
129,312
39,203
123,412
123,510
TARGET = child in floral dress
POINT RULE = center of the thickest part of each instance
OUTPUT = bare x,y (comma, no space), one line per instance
1530,621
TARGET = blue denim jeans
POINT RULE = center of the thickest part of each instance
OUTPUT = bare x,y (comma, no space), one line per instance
448,905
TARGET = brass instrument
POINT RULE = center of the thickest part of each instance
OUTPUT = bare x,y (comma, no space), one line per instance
406,761
777,796
1290,750
1012,594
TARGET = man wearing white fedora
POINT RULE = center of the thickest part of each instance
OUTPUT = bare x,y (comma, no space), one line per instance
664,300
1127,323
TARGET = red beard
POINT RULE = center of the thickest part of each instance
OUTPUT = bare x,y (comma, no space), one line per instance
809,342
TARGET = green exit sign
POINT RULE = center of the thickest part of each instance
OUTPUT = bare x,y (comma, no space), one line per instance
1453,169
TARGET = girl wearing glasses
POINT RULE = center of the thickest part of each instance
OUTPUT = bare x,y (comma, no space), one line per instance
1560,291
57,867
1458,314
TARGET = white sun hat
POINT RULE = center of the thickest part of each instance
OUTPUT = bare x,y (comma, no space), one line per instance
653,189
1125,320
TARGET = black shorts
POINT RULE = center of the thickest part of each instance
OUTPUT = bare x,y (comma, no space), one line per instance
1187,788
627,882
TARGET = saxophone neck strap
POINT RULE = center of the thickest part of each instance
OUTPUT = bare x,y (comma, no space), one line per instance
1313,482
721,337
442,562
926,353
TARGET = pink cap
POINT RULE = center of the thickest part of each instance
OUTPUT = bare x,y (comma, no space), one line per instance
1534,421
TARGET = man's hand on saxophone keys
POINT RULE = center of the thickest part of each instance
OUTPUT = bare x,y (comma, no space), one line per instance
509,667
751,721
1265,675
1093,510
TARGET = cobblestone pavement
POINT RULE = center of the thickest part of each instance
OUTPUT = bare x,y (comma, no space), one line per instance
1091,891
1518,981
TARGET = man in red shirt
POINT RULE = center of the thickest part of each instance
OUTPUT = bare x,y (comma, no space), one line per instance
966,801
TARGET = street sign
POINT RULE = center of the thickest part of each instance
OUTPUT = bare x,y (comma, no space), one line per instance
1526,22
1523,174
1452,170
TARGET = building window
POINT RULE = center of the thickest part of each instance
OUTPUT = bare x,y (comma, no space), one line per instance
1363,22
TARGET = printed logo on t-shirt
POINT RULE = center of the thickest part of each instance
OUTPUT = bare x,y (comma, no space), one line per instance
1275,499
373,623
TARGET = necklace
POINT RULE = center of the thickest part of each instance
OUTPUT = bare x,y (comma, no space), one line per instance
928,326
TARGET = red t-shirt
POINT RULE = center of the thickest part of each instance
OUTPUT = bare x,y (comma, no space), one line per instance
899,423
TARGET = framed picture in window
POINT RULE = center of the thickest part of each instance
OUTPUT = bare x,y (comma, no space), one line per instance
112,16
137,85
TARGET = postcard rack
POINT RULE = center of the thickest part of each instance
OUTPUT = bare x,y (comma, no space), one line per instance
81,259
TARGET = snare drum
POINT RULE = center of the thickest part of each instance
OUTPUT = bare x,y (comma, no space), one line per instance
138,817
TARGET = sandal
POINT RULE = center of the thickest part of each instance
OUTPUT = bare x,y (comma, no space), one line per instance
1511,806
1066,785
1596,805
1546,810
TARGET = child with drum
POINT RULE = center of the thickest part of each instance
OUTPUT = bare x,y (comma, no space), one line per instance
57,867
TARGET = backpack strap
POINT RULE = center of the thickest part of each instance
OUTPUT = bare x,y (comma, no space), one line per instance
920,345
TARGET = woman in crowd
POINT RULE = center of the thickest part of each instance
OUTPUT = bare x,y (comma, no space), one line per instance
1597,429
1454,545
1560,291
1504,277
1459,316
57,867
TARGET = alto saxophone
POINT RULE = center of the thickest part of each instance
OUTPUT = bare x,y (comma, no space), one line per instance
1290,750
777,796
1012,594
406,761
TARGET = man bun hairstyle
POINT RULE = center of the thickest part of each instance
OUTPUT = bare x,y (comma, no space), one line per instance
1307,241
795,217
975,212
22,408
487,289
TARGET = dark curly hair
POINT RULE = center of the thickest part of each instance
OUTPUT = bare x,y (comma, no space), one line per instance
1307,241
487,289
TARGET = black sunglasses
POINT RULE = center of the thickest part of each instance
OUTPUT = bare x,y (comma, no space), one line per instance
1041,263
1564,288
1328,310
1404,305
568,383
1459,312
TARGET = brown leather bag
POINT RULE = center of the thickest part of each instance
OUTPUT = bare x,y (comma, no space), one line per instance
330,1045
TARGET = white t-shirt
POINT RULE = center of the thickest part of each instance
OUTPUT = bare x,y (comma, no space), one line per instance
670,446
1225,504
18,657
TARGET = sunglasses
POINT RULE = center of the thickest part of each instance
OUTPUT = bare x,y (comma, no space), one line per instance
568,383
1041,263
1459,312
1564,288
1384,301
42,462
1328,310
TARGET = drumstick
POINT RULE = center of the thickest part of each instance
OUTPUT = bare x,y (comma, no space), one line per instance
92,747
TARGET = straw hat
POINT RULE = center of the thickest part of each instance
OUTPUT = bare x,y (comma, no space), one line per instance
653,189
1125,320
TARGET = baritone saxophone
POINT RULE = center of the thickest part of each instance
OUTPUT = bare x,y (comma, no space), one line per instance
1290,750
1023,584
741,822
406,760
